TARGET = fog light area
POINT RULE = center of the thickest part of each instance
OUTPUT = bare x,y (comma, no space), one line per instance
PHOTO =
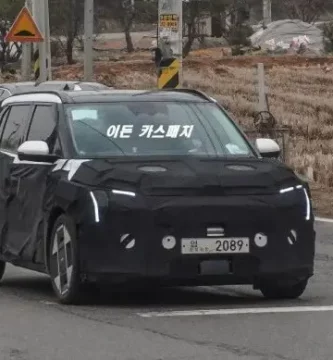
169,242
260,240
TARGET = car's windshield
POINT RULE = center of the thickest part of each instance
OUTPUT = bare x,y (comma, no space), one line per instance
154,128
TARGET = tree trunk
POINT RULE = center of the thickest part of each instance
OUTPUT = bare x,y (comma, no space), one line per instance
191,37
69,51
129,42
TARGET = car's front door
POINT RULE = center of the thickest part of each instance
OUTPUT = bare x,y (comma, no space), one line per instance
4,181
13,131
29,183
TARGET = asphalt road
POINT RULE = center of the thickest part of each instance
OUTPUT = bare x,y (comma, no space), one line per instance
114,327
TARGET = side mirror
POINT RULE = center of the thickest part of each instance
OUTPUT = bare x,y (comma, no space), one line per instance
268,148
37,151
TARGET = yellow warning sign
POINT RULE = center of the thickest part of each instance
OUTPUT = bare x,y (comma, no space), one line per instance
169,21
24,29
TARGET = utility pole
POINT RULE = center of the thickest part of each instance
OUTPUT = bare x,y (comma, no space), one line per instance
39,13
48,40
170,43
26,53
267,11
88,39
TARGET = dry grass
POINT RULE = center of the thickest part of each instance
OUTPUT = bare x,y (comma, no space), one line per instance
301,96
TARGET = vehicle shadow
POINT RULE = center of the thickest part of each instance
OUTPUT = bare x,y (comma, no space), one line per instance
33,286
39,288
28,286
175,297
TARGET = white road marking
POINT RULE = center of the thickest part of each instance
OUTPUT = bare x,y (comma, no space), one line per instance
240,311
324,219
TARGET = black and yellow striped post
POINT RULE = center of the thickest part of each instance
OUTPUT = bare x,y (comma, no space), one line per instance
36,64
169,74
36,60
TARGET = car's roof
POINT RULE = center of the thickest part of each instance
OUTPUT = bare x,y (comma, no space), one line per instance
23,86
85,84
108,96
132,95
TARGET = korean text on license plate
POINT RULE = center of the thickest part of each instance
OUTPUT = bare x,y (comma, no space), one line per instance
215,246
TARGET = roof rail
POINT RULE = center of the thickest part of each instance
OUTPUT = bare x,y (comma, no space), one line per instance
65,87
38,91
192,91
61,95
184,90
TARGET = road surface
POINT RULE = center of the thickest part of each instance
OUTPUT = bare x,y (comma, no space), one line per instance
140,326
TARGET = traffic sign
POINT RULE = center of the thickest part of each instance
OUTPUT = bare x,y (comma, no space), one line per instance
24,29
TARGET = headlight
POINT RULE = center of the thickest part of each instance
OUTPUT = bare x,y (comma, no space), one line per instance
308,205
291,188
95,204
304,189
123,192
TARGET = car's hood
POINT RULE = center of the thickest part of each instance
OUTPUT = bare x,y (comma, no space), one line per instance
187,175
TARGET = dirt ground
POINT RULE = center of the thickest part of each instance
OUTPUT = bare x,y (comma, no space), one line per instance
322,200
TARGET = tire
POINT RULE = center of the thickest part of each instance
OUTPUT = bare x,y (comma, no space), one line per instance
272,291
64,261
2,269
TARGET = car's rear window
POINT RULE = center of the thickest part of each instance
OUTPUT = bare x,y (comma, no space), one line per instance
154,128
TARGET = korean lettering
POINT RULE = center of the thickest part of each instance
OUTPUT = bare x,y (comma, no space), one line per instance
187,131
194,246
169,21
123,131
172,131
126,131
113,131
146,130
159,133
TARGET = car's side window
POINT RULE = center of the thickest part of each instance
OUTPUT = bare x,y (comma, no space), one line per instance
13,134
43,126
3,118
4,93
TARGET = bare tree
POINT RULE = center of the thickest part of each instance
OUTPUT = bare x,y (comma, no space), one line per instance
66,21
127,12
122,11
237,10
305,10
9,52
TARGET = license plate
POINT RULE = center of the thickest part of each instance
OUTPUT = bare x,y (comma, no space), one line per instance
216,246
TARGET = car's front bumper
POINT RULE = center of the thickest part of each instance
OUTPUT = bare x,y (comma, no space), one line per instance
103,253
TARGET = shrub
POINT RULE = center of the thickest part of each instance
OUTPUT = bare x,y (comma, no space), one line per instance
239,35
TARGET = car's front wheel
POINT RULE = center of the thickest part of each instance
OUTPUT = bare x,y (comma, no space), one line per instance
2,269
64,262
287,291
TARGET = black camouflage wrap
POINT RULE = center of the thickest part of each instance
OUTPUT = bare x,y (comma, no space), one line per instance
242,196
